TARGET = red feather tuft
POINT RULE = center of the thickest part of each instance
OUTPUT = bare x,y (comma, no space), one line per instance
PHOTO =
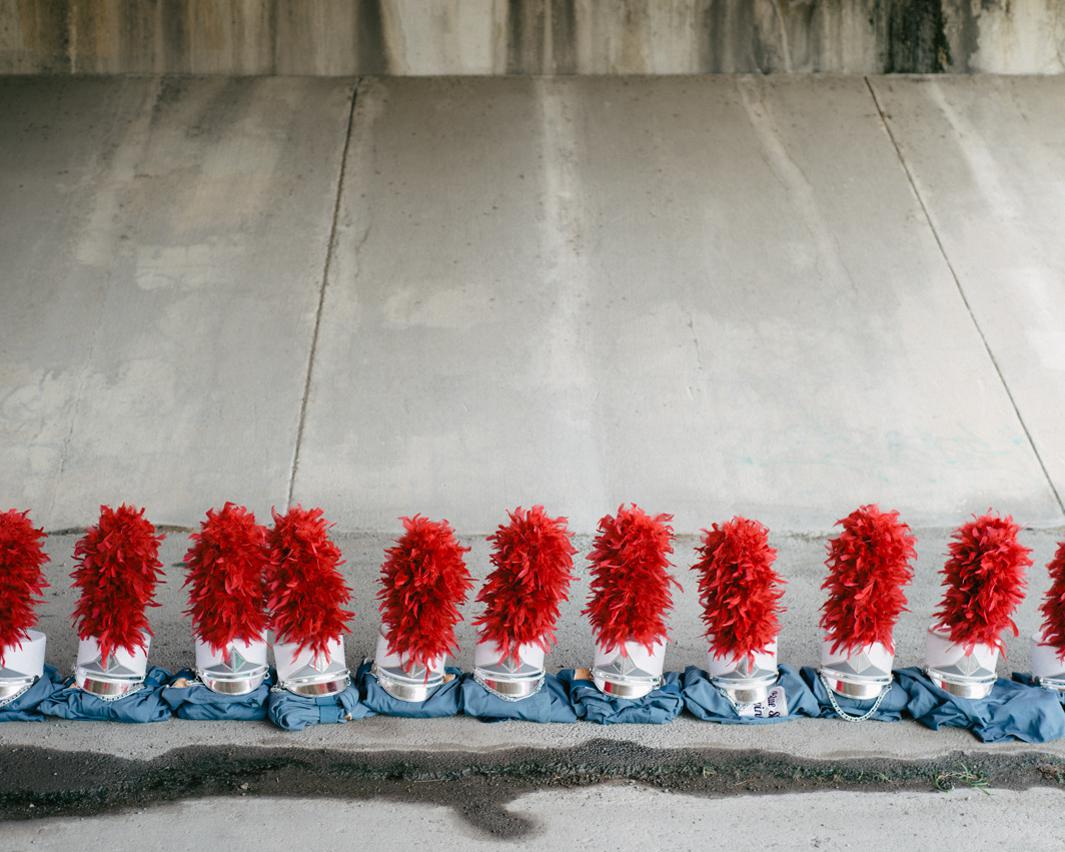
868,564
739,590
304,588
533,559
21,577
630,582
117,567
424,581
1053,607
984,579
226,565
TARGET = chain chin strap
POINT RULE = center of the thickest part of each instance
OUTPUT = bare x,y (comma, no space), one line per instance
843,714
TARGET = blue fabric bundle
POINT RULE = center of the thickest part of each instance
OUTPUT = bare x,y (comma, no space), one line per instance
788,699
195,701
550,704
890,709
144,705
292,712
1012,710
660,706
1029,680
445,701
25,708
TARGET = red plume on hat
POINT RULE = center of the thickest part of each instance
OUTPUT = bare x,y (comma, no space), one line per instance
1053,607
226,564
533,567
305,591
984,580
868,564
116,568
739,590
21,577
424,581
630,587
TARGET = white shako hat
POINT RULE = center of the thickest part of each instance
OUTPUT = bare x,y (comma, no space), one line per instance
305,595
1048,643
424,582
984,581
630,597
22,560
117,569
121,673
532,559
312,675
22,666
869,564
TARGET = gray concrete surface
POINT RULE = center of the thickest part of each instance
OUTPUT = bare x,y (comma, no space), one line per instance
162,247
688,293
622,817
988,162
432,37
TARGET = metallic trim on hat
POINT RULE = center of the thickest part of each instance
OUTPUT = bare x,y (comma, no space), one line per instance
509,689
1054,683
108,689
238,676
318,688
962,686
12,687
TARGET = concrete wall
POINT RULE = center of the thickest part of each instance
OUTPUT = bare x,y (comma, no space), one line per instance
428,37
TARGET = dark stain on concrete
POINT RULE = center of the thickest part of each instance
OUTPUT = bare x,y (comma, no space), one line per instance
525,37
563,57
371,45
37,783
915,38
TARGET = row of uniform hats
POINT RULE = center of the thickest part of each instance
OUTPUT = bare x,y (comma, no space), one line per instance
252,587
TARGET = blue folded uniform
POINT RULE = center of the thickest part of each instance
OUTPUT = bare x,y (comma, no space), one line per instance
445,701
789,698
1013,711
26,706
194,701
292,712
891,707
550,704
660,706
144,705
1029,680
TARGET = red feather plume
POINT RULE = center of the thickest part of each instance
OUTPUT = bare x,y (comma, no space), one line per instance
533,559
868,564
21,577
738,589
1053,607
630,587
116,568
984,579
424,581
227,590
305,591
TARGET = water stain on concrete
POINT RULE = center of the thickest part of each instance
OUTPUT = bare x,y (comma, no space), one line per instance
37,783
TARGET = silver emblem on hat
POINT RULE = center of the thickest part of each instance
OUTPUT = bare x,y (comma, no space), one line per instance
1048,667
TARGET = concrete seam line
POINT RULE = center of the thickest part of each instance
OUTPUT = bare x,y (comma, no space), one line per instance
961,292
321,291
